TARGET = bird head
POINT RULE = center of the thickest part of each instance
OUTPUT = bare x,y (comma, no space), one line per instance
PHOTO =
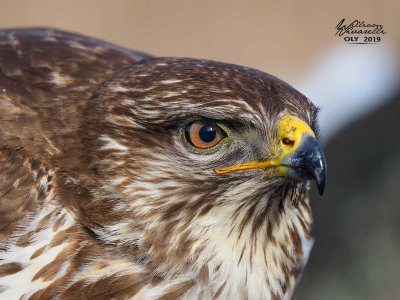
185,144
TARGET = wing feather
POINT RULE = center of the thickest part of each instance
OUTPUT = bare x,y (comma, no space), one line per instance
25,183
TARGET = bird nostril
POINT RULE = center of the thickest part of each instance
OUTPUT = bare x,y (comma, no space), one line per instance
288,142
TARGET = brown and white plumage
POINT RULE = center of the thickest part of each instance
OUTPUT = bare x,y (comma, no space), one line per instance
101,198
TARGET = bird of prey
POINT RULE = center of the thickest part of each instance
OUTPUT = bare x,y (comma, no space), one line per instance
127,176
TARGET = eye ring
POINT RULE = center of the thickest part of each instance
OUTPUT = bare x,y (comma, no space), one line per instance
204,134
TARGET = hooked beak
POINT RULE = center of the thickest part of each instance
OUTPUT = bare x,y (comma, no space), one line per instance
301,155
307,161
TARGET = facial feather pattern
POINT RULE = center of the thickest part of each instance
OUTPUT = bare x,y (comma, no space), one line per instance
144,213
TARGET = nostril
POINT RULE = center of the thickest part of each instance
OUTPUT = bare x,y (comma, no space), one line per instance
288,142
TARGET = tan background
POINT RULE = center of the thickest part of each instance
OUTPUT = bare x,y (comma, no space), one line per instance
279,37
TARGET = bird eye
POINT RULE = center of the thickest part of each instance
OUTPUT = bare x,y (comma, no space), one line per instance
204,134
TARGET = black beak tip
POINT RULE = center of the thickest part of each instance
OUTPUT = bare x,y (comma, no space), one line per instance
320,184
311,159
318,171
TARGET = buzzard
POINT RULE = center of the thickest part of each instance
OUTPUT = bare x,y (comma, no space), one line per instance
126,176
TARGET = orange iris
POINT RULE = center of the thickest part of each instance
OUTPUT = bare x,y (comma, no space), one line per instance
204,134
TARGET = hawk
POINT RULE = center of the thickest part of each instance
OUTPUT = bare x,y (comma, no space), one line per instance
127,176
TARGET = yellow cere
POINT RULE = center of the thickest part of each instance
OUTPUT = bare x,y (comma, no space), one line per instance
290,132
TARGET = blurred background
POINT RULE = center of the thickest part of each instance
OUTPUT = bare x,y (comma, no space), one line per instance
357,221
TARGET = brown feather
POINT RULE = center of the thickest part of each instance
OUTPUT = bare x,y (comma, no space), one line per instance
101,197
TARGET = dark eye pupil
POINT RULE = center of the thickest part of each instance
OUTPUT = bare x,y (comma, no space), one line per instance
207,133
